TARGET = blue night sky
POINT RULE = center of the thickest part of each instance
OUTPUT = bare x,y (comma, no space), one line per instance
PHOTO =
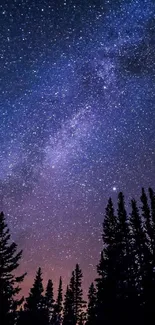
77,112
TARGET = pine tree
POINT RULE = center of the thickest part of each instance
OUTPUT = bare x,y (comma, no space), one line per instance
49,300
152,212
59,298
68,311
147,217
34,306
79,302
139,243
35,299
140,253
100,284
72,288
110,250
57,313
115,268
91,310
149,283
124,264
152,199
74,303
107,268
152,293
9,283
126,279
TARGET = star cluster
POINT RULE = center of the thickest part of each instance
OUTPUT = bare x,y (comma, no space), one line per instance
77,123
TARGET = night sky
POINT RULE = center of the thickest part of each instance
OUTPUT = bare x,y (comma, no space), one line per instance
77,114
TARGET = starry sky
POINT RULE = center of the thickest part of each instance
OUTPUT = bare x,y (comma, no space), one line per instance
77,113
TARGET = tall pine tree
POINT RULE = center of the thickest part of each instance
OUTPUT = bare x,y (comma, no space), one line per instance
107,268
91,310
68,311
49,300
100,284
140,254
124,264
57,313
126,272
147,217
74,303
34,306
149,283
152,199
9,283
79,302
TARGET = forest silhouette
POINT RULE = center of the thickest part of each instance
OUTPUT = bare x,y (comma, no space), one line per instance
123,291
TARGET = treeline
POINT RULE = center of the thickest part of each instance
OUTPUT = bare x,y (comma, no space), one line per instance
41,308
122,293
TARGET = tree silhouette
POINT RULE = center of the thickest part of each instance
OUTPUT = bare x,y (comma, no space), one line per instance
49,300
140,254
146,216
152,199
125,286
57,313
74,303
107,268
79,303
9,283
149,279
68,311
91,310
34,305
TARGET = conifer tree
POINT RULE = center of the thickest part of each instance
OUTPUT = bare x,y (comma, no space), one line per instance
123,227
68,311
9,283
74,303
35,298
100,284
49,299
149,283
34,306
79,302
57,313
140,253
72,287
115,268
59,298
126,279
110,250
91,310
147,217
152,212
124,264
139,241
107,268
152,199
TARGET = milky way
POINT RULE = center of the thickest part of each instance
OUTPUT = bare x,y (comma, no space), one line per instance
77,111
